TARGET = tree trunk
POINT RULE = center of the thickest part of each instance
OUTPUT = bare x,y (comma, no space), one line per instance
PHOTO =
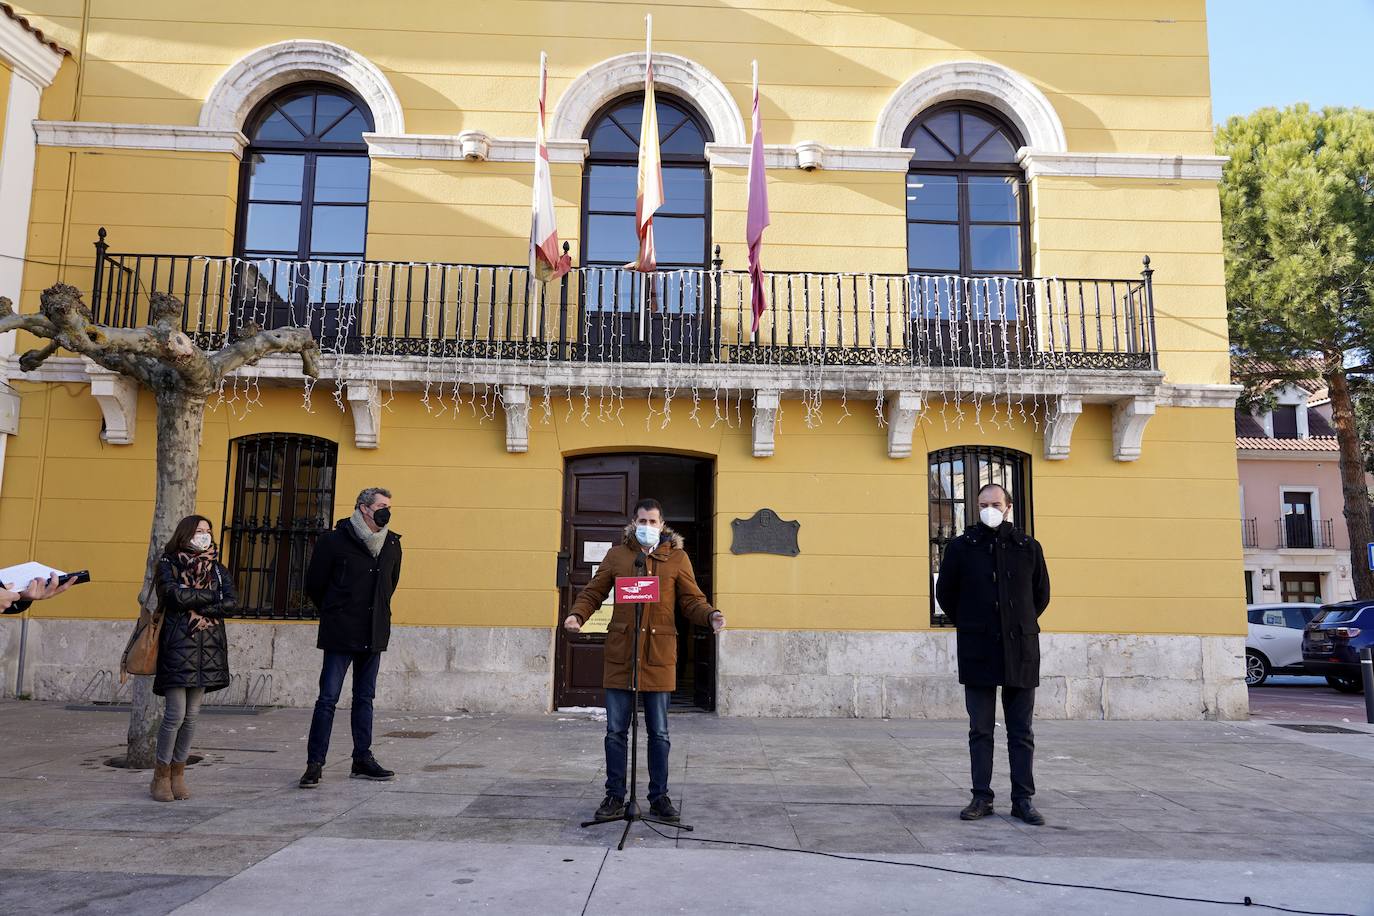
1353,489
180,417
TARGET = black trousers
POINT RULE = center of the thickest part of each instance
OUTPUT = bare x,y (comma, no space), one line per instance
1018,706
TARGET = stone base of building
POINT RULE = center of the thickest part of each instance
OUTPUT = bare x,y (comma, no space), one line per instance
769,673
913,675
477,669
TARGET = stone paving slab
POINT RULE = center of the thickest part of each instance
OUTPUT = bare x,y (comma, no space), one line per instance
1230,796
317,875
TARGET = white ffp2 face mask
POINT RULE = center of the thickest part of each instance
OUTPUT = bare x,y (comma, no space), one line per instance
201,541
991,516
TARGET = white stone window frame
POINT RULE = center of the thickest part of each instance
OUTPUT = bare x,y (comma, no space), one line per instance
262,72
1001,88
1316,494
606,81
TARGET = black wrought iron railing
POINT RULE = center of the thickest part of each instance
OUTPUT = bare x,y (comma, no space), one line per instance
1302,532
690,316
1249,532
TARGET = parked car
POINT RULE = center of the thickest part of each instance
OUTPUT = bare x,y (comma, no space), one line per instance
1332,642
1273,644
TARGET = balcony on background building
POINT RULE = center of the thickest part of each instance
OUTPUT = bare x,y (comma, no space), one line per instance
672,318
1249,533
1302,532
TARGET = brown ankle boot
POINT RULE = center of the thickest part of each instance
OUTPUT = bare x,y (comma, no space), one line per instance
179,790
161,788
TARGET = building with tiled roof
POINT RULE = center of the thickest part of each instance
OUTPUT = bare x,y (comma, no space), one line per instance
1292,509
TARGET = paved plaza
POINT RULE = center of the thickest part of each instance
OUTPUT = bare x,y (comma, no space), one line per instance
484,813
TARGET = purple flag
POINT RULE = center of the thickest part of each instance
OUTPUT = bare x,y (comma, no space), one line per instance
758,210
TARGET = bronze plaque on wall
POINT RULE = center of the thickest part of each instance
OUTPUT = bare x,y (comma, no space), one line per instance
765,533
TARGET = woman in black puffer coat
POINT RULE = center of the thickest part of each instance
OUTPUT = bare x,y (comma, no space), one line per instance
194,594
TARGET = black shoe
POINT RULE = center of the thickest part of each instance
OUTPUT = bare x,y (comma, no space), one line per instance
612,809
368,768
979,807
311,779
1026,812
662,808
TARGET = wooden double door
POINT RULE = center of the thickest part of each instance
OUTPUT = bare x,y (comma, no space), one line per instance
599,494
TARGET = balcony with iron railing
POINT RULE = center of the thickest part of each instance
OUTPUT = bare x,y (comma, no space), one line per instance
1249,533
1302,532
671,318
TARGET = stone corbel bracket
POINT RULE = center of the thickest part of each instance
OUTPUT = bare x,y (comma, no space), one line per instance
117,396
1059,428
1128,426
365,403
516,399
902,409
766,403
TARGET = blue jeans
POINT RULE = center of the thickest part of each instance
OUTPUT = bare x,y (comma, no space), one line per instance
365,667
618,711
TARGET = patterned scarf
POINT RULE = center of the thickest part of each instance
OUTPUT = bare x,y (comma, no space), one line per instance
374,541
196,569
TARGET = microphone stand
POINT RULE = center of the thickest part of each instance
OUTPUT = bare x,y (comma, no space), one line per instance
631,802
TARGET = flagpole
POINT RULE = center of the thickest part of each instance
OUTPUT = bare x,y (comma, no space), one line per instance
644,280
751,142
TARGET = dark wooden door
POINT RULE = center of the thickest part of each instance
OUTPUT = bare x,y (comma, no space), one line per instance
1295,587
597,496
599,493
1297,520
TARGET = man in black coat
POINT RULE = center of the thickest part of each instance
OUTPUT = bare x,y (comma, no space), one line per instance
352,576
994,586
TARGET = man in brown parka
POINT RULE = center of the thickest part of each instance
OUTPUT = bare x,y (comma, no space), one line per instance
664,557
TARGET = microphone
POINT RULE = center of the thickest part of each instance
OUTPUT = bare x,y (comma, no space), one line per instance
639,560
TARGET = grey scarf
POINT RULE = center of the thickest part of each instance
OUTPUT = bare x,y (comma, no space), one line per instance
374,540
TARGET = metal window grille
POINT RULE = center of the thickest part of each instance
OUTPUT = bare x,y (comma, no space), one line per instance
956,476
283,499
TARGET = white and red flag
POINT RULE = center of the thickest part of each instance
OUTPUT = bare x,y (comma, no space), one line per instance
649,188
757,219
547,262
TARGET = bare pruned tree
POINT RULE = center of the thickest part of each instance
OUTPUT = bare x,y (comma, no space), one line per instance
182,376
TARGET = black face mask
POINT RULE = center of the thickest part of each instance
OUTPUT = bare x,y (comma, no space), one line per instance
382,516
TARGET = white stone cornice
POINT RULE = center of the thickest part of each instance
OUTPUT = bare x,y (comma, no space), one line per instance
263,71
1059,427
902,409
474,145
766,403
810,155
1040,164
516,401
31,58
976,81
1129,417
178,137
365,404
117,396
616,76
1186,395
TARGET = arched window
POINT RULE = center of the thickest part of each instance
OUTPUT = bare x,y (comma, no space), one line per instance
612,297
956,476
966,208
682,227
282,491
303,192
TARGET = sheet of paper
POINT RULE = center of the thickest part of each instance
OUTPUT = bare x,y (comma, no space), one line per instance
595,551
20,576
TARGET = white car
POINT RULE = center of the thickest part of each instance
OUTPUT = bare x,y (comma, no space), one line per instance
1274,642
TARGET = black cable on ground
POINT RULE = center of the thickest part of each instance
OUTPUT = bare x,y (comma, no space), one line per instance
1247,901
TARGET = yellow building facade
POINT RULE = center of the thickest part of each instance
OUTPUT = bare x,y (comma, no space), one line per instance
942,177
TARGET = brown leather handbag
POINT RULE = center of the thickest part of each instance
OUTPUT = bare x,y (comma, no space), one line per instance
140,655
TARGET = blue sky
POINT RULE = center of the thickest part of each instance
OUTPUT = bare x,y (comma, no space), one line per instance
1277,52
